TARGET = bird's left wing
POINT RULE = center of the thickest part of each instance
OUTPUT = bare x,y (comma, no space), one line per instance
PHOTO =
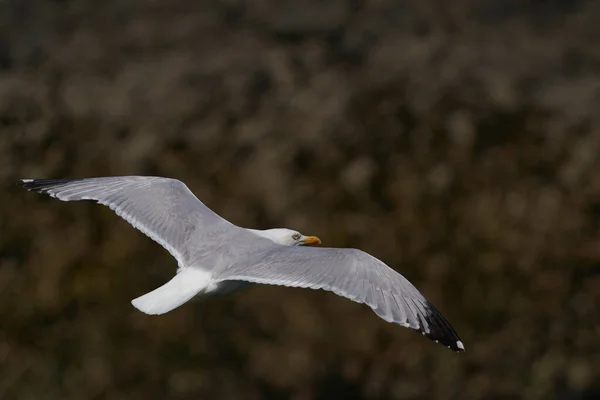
350,273
162,208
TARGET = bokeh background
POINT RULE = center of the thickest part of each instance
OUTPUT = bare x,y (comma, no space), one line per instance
456,140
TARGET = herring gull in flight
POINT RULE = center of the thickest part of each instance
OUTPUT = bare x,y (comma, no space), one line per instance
216,256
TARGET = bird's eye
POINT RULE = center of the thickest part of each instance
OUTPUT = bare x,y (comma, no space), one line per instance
296,236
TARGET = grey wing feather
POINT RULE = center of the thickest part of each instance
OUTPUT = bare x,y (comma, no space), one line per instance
350,273
162,208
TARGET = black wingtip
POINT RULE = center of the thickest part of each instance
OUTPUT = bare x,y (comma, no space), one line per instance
441,331
29,184
23,182
41,184
32,184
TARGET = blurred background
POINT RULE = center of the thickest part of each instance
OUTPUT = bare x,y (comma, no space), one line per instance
458,141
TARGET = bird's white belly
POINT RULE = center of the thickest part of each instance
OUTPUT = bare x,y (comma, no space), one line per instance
208,286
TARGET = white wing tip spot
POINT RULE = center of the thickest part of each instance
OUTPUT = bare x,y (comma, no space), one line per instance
459,345
25,180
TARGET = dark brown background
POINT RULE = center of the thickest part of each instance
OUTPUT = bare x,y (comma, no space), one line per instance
456,140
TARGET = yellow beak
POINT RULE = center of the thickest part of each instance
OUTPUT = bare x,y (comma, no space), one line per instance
311,241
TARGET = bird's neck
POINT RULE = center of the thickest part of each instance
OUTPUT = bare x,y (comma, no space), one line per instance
267,234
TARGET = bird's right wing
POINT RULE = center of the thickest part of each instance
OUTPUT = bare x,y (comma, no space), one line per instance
162,208
350,273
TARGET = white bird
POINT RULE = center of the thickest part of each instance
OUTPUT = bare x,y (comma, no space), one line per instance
216,256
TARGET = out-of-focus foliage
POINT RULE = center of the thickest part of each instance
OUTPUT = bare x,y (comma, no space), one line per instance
457,141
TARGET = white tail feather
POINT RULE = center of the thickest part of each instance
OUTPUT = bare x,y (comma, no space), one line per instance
179,290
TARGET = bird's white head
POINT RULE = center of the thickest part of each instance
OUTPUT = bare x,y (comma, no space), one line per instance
288,237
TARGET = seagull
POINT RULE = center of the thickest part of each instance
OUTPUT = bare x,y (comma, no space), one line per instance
215,256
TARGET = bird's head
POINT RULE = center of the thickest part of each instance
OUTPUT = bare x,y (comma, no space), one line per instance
288,237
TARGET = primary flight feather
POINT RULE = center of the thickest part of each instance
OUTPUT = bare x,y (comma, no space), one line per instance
216,256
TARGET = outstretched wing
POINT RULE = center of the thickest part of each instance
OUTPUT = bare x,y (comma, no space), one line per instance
350,273
162,208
